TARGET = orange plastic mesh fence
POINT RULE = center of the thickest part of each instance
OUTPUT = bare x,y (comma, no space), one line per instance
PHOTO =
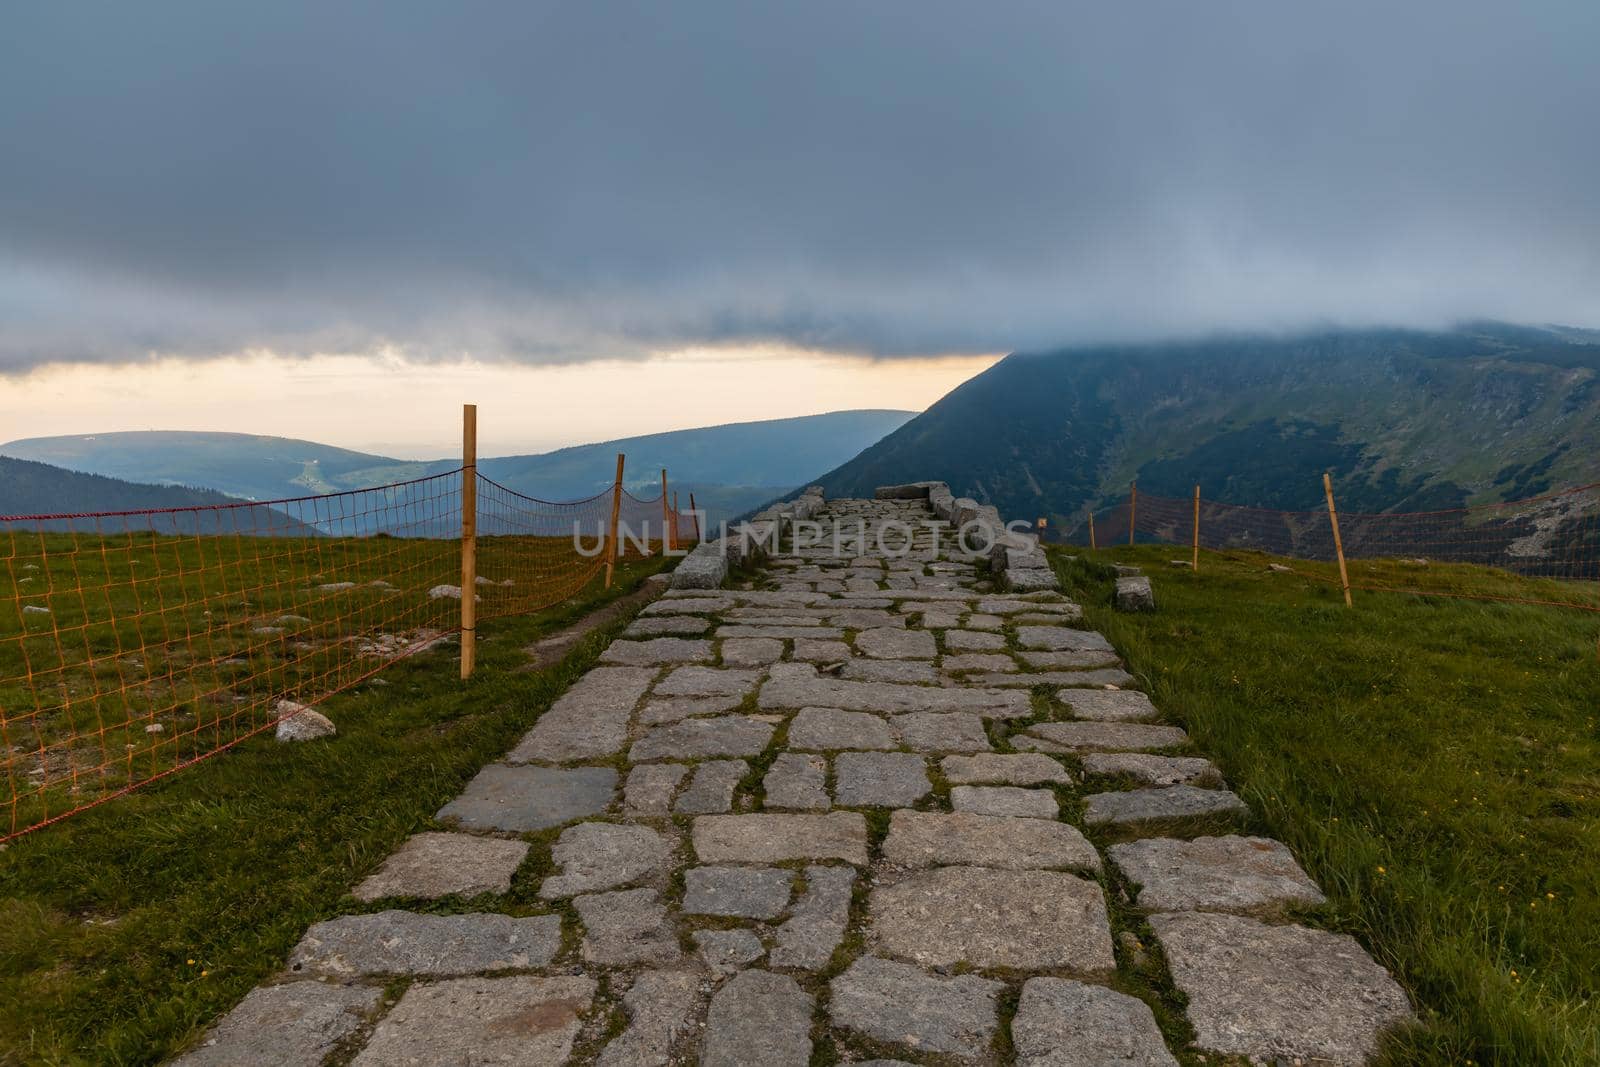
134,644
1548,547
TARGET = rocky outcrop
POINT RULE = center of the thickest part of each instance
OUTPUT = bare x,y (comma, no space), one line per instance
707,566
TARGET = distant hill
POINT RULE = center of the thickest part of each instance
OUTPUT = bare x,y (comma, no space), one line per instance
730,468
28,488
1405,420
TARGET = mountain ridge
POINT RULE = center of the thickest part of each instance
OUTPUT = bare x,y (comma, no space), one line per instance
1403,419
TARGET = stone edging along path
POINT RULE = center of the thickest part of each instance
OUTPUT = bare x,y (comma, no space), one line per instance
865,806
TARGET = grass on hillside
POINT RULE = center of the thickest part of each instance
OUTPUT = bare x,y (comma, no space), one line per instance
125,928
1434,763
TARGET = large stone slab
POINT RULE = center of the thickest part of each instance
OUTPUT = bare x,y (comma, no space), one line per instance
973,641
796,781
403,942
1154,805
1109,705
1104,676
751,651
1109,736
1061,639
758,1017
897,1004
519,1019
1154,770
1062,1023
626,927
942,732
667,626
781,837
295,1024
702,605
1005,769
828,729
712,787
707,682
661,1007
1238,874
978,661
879,779
674,709
781,632
432,865
1030,920
651,787
588,721
817,923
520,799
596,855
727,951
795,685
931,839
1065,610
1069,661
658,650
723,735
891,643
905,671
1005,800
739,892
1278,993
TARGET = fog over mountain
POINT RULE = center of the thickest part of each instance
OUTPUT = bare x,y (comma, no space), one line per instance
557,182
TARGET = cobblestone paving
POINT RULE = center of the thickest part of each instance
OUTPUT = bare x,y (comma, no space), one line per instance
864,807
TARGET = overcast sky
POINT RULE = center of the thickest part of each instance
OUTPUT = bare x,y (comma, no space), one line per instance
561,183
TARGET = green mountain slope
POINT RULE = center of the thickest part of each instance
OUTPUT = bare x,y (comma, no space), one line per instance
1405,420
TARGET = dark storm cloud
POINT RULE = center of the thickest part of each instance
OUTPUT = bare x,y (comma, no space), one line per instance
555,182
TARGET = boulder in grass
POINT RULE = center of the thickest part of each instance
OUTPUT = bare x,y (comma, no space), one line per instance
296,722
1135,594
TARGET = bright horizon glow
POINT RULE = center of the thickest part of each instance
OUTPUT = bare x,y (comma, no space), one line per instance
409,410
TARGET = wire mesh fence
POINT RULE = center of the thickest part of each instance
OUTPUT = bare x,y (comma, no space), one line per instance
1547,548
134,644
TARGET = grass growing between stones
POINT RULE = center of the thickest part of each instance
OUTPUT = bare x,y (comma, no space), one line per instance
125,928
1434,764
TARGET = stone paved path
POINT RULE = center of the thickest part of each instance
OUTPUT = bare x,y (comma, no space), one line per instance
865,800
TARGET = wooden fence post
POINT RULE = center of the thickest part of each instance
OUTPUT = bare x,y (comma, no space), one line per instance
469,539
1133,511
616,510
1338,544
676,518
694,517
666,516
1195,565
1091,527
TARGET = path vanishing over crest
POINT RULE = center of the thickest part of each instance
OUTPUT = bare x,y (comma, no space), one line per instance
863,801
